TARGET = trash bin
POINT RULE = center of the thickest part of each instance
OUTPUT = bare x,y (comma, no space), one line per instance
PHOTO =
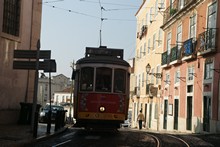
26,113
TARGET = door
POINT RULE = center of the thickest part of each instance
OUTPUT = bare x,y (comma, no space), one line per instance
206,113
176,112
189,113
150,114
165,114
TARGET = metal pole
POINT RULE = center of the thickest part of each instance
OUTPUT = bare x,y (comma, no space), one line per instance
71,94
50,111
35,87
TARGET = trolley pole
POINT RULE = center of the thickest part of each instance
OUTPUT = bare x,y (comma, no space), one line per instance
71,93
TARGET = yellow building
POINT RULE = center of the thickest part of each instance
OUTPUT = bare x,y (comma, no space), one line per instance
147,72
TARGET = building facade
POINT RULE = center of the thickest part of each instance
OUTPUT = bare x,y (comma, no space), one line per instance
190,66
149,43
58,83
20,25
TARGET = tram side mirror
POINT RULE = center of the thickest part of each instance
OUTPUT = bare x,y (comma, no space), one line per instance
73,75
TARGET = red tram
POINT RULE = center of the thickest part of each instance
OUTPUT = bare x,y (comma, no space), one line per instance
101,91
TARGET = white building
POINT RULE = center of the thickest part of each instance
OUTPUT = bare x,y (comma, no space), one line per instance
64,98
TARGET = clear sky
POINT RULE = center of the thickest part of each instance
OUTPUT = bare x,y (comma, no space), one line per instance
69,26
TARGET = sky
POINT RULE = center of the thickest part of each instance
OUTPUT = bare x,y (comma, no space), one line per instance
69,26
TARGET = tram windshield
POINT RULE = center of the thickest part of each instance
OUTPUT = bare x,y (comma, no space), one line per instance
87,75
103,79
119,81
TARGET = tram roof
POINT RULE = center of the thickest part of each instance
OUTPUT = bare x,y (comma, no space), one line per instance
103,59
103,55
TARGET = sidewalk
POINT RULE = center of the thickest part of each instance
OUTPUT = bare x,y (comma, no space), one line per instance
18,135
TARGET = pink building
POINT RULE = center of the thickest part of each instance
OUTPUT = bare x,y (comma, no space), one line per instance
190,66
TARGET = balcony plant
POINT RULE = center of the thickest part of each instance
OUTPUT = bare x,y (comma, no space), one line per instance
172,11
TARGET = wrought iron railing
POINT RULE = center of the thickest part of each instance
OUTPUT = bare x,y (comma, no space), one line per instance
175,53
176,6
207,40
164,58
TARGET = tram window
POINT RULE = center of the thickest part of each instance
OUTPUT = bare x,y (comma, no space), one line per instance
119,81
103,79
86,83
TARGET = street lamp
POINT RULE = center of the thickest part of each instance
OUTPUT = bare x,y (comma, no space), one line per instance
148,68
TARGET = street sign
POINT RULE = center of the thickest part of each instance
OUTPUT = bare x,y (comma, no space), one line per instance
46,65
32,54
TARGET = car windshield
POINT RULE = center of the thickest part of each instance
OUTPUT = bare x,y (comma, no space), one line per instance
47,107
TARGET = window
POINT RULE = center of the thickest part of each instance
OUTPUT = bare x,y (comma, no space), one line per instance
119,81
11,17
147,21
160,37
179,35
152,76
154,41
157,71
156,8
156,111
167,81
212,15
103,79
181,4
148,48
193,26
144,52
140,51
168,43
190,73
151,13
208,69
177,76
142,79
86,83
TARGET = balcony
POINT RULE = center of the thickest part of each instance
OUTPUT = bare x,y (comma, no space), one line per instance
207,41
175,8
143,32
165,59
189,49
175,55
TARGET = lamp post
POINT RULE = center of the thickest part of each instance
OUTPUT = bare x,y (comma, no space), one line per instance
157,75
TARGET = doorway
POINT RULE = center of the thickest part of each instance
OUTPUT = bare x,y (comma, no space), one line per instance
165,114
206,113
176,112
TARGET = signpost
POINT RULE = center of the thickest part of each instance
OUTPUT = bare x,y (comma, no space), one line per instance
48,65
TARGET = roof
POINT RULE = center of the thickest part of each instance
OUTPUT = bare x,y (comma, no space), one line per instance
140,7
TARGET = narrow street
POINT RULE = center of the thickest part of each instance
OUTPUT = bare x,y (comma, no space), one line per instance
126,137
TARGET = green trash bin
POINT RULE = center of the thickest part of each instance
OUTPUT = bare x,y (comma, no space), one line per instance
26,113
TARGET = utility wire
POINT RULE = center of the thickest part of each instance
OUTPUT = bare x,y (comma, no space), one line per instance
71,11
89,1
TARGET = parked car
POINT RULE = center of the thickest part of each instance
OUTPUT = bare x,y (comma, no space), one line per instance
126,124
44,113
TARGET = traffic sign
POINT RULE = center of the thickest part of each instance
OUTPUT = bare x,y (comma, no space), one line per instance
32,54
46,65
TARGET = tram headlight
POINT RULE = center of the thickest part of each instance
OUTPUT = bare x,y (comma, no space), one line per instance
102,109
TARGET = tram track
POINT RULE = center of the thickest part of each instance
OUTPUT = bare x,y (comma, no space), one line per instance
168,140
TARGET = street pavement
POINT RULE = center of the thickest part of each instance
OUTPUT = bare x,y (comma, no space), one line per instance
19,135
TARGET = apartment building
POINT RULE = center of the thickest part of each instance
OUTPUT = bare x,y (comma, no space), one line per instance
147,69
190,66
20,25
